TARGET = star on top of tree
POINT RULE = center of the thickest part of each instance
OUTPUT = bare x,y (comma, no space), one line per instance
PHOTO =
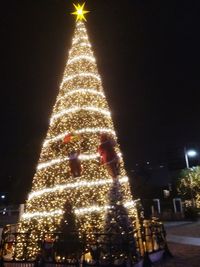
80,12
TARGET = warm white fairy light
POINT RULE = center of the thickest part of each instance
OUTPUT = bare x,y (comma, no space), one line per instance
51,162
88,156
29,215
59,160
79,23
82,183
77,58
82,29
79,75
77,211
96,130
82,157
81,131
95,208
85,44
77,109
91,209
130,203
78,39
82,91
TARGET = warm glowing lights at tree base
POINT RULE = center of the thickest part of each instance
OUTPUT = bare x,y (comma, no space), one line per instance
80,109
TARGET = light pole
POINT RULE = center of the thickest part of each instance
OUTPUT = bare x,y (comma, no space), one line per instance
190,153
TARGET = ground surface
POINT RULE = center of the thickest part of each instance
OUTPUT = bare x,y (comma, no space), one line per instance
184,255
184,229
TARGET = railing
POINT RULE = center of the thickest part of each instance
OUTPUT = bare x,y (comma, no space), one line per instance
105,249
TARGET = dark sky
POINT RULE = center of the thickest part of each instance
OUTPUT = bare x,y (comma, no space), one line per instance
148,57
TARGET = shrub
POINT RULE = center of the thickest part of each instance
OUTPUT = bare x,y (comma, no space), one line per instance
191,213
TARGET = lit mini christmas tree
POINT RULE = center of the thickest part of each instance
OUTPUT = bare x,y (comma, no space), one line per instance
69,168
118,235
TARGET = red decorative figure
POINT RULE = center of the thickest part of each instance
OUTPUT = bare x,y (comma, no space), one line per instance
74,163
108,155
71,137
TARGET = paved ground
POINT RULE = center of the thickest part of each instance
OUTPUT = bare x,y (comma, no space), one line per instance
186,240
184,256
191,229
184,244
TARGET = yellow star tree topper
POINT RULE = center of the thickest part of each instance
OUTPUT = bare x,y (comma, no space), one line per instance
80,12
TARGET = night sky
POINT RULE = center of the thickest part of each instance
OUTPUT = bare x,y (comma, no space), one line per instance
147,54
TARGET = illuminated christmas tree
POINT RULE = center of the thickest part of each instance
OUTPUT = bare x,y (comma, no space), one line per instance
118,235
70,168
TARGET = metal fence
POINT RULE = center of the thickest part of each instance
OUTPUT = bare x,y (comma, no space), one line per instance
106,249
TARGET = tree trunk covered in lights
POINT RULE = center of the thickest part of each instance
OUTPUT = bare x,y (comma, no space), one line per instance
81,113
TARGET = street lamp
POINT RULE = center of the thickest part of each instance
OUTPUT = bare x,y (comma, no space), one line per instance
190,153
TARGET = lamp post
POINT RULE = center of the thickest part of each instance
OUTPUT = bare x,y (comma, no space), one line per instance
190,153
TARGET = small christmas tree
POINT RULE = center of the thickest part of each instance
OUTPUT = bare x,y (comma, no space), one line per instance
118,240
69,243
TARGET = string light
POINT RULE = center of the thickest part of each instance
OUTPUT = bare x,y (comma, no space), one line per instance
78,39
42,214
81,131
85,44
82,91
82,157
51,162
79,211
89,58
79,75
91,209
83,211
82,29
77,109
82,183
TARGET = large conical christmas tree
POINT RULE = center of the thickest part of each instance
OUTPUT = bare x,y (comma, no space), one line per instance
69,168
